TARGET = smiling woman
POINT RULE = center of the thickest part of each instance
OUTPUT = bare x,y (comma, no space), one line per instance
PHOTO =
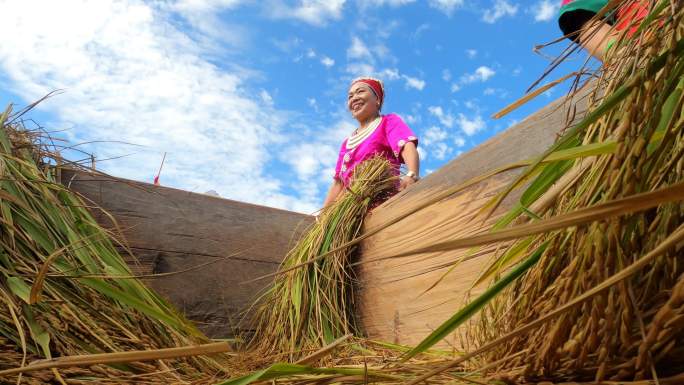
384,135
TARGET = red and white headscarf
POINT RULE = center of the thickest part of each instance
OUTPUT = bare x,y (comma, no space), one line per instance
375,85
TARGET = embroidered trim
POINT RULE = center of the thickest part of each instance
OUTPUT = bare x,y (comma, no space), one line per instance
401,143
354,140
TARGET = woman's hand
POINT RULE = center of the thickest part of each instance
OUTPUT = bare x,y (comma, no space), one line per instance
406,181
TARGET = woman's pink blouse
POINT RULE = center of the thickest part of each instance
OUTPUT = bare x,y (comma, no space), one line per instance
387,140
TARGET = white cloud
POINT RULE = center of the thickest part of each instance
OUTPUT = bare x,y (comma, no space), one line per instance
411,119
313,162
471,53
379,3
198,5
266,97
482,74
500,9
130,75
313,103
203,18
419,31
444,118
446,6
500,92
389,74
433,135
455,87
446,75
459,141
328,62
360,69
315,12
545,10
358,50
414,82
288,45
308,159
470,126
310,53
441,150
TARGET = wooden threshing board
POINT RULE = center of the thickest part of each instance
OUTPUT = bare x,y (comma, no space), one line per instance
392,301
170,230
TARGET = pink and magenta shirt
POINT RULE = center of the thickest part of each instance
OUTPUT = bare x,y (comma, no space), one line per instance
387,140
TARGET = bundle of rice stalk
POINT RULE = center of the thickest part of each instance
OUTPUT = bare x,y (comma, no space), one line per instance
309,306
605,301
597,274
64,288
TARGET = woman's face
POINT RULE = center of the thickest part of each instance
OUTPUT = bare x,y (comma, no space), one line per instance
362,102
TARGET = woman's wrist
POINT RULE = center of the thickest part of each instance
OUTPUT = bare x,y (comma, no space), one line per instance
413,175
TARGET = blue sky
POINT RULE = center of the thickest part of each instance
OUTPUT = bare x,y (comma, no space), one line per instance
247,98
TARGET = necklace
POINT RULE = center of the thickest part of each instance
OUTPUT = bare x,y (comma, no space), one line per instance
360,135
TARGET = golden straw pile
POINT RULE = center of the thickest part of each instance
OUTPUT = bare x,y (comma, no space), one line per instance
65,290
632,329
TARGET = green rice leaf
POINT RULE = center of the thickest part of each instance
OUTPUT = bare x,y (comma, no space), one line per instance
38,334
20,288
134,302
284,370
475,305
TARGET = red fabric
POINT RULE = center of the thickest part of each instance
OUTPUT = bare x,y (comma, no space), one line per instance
632,12
375,86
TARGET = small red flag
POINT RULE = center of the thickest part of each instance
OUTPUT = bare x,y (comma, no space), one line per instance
156,178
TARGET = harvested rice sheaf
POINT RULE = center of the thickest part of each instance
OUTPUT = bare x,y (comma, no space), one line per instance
312,305
59,291
634,329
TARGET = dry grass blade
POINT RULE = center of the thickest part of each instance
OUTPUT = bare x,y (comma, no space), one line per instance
311,358
518,103
119,357
583,216
671,242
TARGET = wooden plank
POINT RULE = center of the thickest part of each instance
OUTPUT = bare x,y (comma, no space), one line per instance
392,301
170,230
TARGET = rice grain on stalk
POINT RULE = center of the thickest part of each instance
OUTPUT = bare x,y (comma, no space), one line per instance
634,330
50,304
308,307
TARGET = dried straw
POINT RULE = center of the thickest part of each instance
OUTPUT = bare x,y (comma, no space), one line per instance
309,307
47,237
634,329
